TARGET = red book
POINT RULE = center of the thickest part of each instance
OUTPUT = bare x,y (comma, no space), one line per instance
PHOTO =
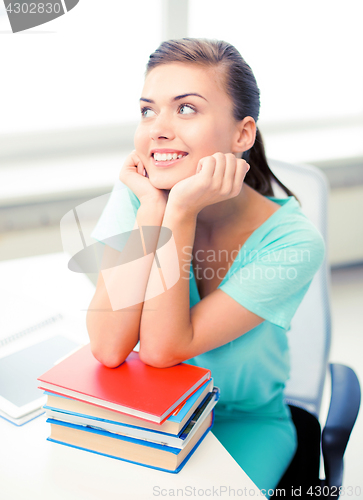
132,388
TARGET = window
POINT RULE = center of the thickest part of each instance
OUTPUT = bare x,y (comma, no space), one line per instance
306,56
88,72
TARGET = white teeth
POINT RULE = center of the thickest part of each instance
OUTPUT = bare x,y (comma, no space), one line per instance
167,156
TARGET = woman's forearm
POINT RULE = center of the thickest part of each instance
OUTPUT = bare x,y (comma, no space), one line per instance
113,318
165,328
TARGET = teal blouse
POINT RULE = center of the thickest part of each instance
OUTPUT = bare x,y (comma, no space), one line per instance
269,276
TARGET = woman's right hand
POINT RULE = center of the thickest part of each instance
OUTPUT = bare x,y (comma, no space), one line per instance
133,175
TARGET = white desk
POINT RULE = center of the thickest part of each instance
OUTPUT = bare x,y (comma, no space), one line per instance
33,468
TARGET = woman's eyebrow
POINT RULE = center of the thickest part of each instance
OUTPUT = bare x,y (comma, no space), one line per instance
176,98
186,95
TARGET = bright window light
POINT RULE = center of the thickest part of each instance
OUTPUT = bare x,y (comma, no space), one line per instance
88,72
306,56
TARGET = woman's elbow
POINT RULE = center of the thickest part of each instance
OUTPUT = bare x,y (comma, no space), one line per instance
109,355
158,359
109,358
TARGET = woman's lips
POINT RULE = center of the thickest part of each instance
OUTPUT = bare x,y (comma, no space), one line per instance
167,163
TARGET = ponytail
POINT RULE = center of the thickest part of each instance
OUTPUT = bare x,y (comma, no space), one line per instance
259,176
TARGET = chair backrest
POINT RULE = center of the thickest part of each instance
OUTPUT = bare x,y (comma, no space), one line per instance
309,336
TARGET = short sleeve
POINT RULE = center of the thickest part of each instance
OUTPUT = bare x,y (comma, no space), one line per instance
118,216
271,279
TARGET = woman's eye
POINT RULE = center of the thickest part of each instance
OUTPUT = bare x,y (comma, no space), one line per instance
144,112
189,109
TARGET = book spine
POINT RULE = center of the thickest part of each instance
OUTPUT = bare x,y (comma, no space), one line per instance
156,437
140,463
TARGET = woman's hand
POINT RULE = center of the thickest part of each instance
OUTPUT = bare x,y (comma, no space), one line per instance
218,178
134,176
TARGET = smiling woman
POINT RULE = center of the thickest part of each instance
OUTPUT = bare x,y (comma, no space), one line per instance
199,108
196,123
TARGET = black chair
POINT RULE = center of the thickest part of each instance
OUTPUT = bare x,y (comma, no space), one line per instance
309,339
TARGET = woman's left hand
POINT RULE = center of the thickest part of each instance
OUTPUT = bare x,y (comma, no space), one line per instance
217,178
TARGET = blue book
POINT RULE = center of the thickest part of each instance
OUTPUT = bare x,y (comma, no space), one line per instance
161,457
179,441
173,425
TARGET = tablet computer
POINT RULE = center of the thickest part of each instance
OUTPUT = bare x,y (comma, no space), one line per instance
19,393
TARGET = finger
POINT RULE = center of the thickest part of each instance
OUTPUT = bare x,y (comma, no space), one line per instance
135,162
206,166
220,169
140,168
241,169
132,164
229,174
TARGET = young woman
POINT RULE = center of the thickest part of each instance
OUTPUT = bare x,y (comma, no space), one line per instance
245,257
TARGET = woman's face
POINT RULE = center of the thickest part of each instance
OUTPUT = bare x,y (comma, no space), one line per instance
175,121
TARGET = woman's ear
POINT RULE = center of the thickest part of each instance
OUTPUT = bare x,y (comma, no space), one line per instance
245,135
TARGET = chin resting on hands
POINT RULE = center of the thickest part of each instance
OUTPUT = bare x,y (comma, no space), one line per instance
218,177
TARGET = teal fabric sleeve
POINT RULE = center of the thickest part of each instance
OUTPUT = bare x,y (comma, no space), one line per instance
273,272
118,216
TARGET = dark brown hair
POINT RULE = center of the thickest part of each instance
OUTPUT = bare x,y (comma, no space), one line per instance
239,83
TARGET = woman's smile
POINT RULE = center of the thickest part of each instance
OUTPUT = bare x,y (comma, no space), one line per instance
167,157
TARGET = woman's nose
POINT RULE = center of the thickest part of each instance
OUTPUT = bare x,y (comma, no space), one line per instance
161,128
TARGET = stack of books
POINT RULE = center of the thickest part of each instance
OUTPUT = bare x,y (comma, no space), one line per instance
154,417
